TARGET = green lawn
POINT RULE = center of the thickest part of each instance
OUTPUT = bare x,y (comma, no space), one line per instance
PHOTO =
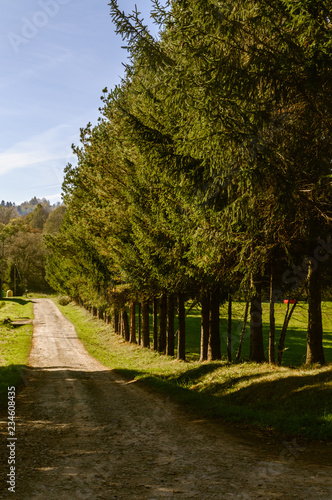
295,401
15,343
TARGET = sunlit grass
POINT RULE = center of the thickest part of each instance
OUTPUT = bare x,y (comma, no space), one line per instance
14,343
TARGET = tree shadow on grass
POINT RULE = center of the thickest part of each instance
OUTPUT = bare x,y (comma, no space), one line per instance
208,402
304,389
181,380
197,373
20,301
293,404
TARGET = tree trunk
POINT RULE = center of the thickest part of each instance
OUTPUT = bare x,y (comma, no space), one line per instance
170,325
121,324
132,338
315,351
125,325
244,328
155,324
256,327
116,325
214,351
272,321
205,311
139,323
162,323
229,329
182,328
281,345
145,324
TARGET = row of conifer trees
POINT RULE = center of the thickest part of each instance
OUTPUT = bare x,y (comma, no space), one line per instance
208,175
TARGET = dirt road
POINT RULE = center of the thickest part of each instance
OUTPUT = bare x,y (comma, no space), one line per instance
85,433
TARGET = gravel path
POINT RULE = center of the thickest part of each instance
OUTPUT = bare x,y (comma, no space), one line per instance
83,432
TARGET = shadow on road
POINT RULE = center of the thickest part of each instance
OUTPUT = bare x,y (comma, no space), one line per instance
94,434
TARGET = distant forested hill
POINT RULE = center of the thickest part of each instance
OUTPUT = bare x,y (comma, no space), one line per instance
9,210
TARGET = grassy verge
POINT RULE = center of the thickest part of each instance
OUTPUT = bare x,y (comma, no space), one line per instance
15,343
294,401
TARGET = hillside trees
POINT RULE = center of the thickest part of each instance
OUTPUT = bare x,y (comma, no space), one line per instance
38,217
22,250
27,253
23,255
54,220
7,212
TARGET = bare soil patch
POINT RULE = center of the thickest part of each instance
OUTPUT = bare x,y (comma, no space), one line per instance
83,432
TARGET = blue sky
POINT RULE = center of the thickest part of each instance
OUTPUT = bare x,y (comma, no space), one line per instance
56,57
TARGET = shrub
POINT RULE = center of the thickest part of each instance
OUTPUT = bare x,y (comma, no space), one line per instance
64,300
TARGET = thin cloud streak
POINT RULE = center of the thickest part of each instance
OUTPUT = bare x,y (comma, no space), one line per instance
49,146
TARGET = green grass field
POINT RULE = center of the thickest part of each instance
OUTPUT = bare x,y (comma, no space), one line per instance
295,344
293,400
15,343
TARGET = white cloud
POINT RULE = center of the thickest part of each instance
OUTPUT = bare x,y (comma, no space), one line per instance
52,145
54,197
